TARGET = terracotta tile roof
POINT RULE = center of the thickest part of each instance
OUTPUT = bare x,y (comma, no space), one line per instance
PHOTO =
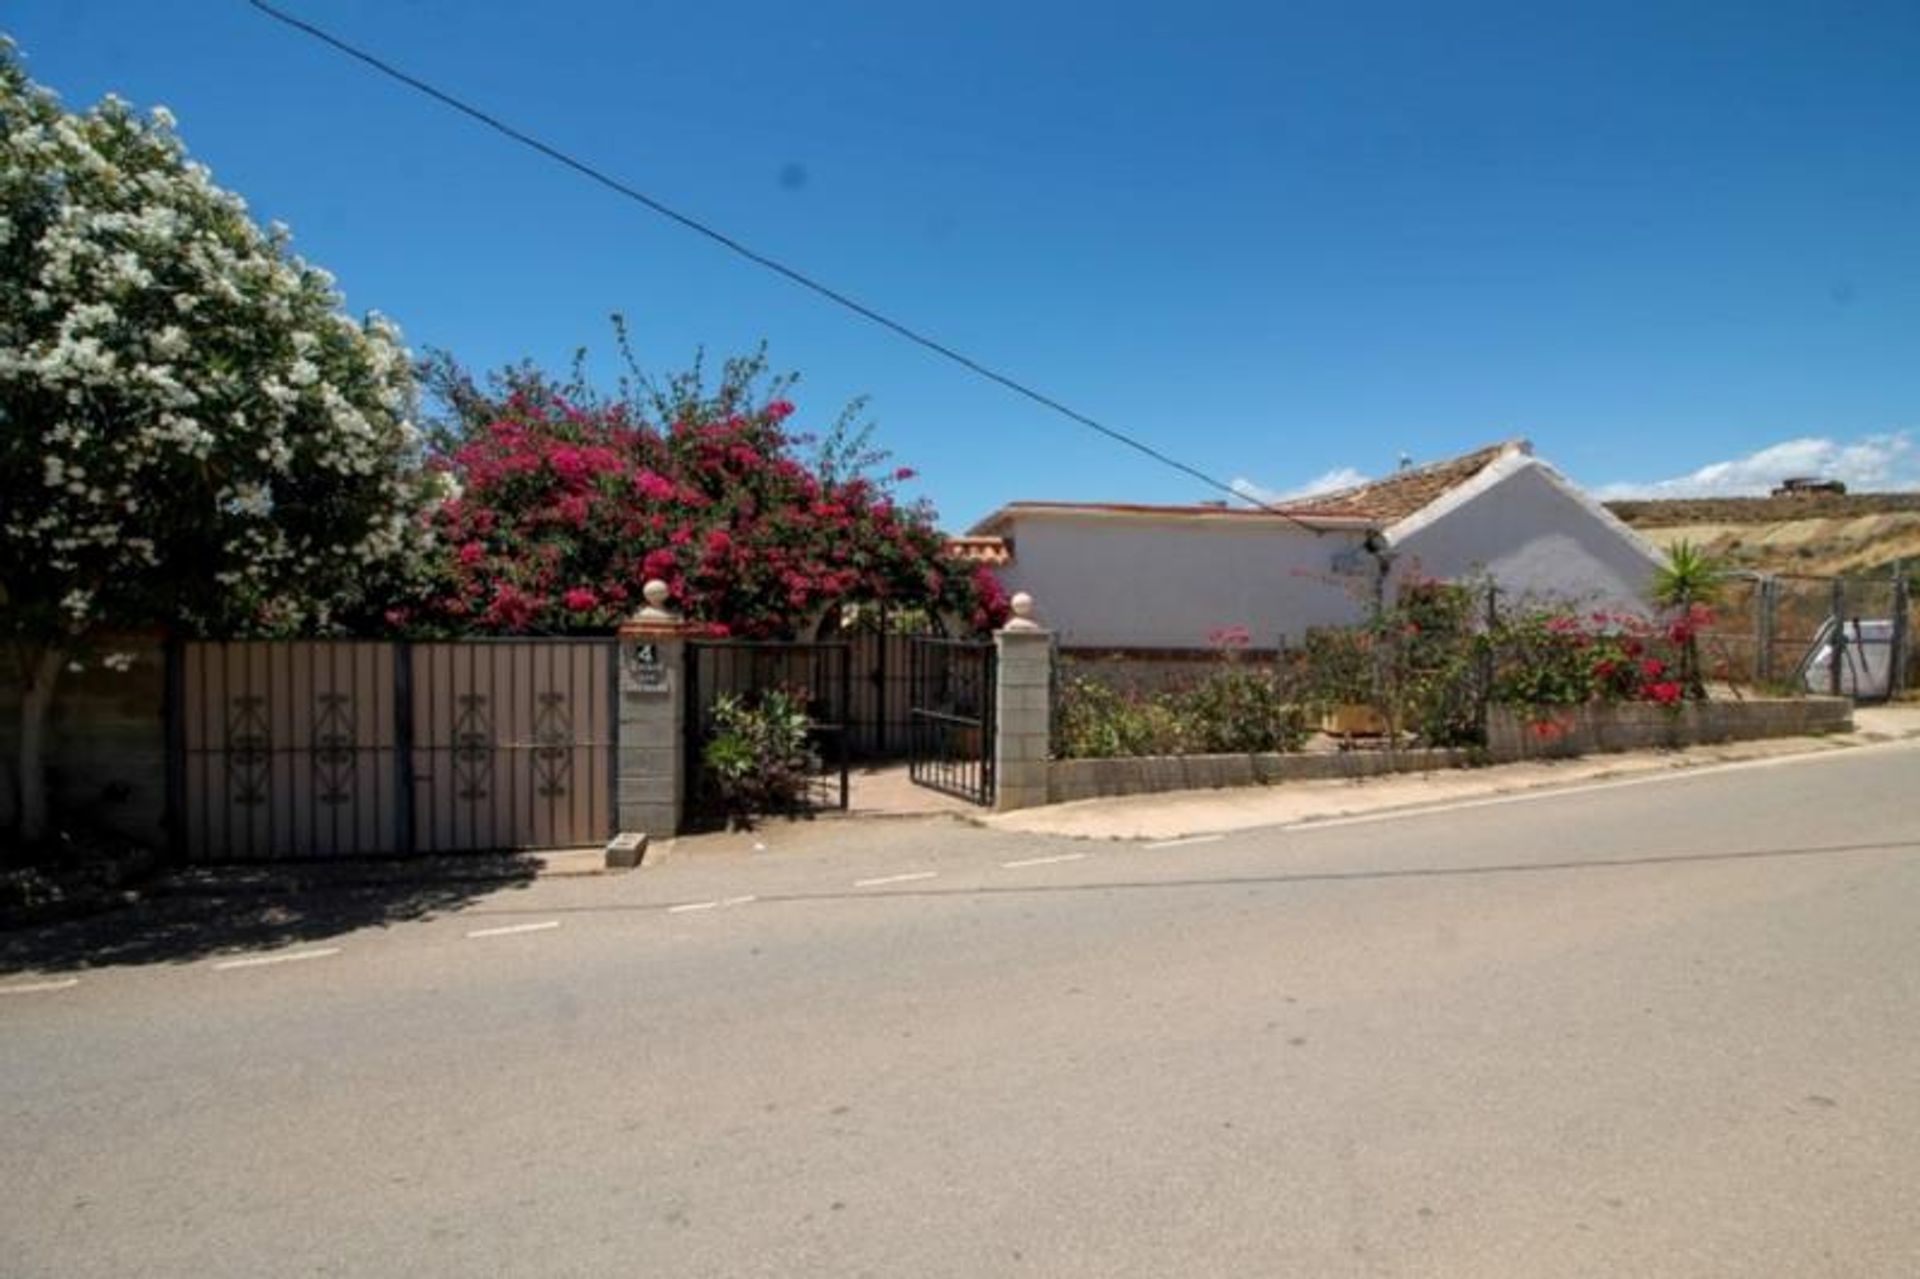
1001,518
1399,495
992,551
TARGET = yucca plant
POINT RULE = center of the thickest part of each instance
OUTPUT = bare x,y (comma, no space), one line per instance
1690,583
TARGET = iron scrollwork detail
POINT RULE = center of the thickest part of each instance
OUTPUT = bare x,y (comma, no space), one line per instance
249,750
552,745
473,747
335,748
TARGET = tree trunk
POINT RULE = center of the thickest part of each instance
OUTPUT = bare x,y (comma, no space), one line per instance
36,700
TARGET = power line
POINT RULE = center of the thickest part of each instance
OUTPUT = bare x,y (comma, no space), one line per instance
726,241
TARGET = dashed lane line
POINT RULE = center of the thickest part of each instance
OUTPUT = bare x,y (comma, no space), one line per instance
40,987
1182,843
261,961
513,930
1042,861
716,904
896,879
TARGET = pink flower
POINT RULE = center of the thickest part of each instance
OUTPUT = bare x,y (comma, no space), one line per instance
905,473
653,486
1653,668
471,553
581,599
660,564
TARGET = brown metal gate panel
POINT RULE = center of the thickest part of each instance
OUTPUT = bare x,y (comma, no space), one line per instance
512,744
288,750
320,749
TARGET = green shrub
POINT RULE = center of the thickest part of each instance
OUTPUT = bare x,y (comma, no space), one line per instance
1233,710
1238,710
757,756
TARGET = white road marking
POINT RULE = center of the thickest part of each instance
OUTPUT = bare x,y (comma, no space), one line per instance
257,961
1042,861
738,901
1190,839
681,909
511,929
67,983
1674,773
895,879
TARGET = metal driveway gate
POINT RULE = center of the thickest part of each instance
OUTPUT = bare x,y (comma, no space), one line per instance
952,683
817,675
314,749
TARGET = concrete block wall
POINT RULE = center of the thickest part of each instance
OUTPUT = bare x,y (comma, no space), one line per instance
1588,730
1511,737
107,743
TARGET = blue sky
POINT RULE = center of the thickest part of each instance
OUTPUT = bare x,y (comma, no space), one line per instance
1672,244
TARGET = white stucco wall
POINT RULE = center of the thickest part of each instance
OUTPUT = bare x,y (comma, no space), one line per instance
1155,582
1534,534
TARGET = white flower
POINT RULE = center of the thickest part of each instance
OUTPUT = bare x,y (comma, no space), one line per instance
119,663
252,499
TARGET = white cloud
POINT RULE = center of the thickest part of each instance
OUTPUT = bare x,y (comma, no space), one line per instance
1340,477
1872,463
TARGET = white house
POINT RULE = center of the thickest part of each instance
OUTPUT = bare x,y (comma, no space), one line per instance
1115,576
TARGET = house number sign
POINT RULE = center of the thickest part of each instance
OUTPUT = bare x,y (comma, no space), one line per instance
648,673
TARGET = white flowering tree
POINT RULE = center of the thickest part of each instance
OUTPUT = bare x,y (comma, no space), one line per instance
192,434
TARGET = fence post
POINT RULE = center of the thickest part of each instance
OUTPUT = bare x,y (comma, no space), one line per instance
1763,597
1897,656
1837,644
1023,700
650,751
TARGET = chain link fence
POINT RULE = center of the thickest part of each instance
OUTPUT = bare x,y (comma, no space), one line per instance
1815,634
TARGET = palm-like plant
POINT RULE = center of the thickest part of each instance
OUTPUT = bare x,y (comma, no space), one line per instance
1690,579
1690,576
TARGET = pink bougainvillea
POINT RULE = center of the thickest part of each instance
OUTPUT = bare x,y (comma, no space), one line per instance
565,512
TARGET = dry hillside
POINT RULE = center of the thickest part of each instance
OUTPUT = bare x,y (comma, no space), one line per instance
1855,534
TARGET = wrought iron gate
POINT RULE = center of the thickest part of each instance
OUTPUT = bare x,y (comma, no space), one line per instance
317,749
817,675
952,716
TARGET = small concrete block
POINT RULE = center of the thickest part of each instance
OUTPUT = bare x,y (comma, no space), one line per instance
626,850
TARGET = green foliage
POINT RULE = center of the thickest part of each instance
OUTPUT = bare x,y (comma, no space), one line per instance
1689,576
192,432
1337,664
1239,710
1234,710
1691,583
758,758
1437,663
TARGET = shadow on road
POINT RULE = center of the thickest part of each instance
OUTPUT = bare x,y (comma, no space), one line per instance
221,910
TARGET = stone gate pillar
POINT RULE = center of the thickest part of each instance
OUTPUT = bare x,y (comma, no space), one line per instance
1023,715
650,764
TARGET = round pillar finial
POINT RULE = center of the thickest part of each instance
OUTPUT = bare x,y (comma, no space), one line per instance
655,612
1022,619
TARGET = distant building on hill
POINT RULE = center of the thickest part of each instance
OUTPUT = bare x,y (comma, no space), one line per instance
1807,485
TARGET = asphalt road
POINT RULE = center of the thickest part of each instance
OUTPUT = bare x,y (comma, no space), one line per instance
1667,1028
